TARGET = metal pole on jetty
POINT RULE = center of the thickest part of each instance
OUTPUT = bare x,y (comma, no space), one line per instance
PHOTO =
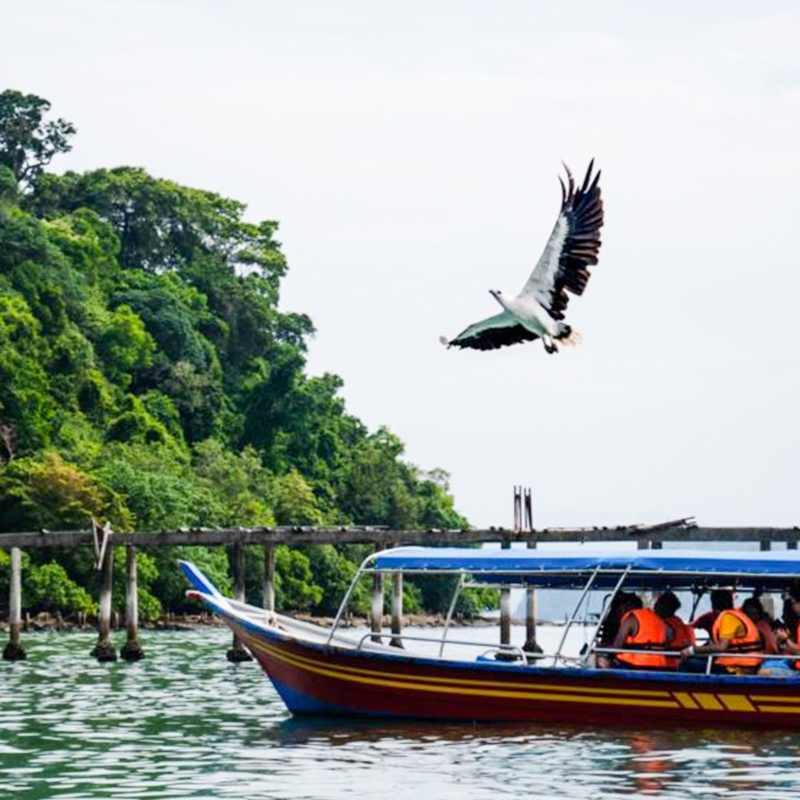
237,653
131,650
104,649
13,650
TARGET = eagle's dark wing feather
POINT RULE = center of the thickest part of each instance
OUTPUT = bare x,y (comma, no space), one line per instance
573,245
491,333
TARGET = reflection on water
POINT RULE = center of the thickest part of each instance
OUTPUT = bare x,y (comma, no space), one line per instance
186,724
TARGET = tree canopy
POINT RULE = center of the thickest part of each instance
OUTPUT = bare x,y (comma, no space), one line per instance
27,142
149,376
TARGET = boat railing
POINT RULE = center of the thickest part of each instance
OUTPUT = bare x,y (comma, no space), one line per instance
708,656
503,648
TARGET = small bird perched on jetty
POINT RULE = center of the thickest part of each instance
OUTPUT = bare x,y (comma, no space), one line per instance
536,312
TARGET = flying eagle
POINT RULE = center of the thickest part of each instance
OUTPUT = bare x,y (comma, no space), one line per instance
538,309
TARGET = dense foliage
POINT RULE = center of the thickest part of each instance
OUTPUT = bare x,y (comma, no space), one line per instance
149,377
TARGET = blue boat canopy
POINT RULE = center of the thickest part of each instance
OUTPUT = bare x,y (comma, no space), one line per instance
572,568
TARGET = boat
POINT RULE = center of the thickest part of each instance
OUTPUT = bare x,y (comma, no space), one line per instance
330,671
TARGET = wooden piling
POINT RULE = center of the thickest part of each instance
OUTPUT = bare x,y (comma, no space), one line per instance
269,579
376,608
505,609
237,653
397,609
14,651
131,650
104,649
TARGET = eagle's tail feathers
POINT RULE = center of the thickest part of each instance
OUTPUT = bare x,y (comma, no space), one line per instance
569,337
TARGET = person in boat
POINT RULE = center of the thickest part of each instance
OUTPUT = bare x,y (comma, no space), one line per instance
721,600
735,631
789,638
620,605
766,627
679,634
644,630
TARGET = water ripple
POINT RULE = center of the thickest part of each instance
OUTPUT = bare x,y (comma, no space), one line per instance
184,723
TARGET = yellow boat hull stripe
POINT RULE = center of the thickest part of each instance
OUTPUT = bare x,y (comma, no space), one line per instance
530,691
662,695
463,690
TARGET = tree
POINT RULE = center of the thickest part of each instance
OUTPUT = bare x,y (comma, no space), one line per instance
27,142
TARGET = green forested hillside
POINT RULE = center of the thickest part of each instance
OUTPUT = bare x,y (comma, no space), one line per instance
149,376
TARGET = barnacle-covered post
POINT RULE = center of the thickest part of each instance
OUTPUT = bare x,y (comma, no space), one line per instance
237,652
131,650
13,650
104,649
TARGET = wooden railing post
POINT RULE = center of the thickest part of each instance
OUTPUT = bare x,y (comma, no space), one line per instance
131,650
237,653
13,650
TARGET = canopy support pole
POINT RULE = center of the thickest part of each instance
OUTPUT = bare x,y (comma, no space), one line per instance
346,598
450,611
603,616
575,614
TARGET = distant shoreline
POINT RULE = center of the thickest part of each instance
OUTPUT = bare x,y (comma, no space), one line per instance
48,623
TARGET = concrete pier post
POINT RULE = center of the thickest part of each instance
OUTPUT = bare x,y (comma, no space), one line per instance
397,609
269,579
237,653
104,649
14,651
131,650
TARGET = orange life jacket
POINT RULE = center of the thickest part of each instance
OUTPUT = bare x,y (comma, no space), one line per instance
749,643
682,636
652,635
796,662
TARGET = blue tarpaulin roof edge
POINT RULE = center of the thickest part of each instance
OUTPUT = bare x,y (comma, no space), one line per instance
697,563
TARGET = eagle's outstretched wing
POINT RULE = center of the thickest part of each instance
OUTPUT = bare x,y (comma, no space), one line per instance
572,247
491,333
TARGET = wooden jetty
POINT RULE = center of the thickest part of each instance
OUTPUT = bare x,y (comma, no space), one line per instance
103,540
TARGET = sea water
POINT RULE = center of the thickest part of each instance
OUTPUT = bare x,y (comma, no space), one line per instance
184,723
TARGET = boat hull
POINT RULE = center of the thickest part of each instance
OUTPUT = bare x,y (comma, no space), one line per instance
326,680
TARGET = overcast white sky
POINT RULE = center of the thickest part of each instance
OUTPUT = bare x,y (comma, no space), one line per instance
410,152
